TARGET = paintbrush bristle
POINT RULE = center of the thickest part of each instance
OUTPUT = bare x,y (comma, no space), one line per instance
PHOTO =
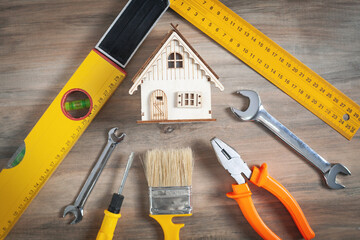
168,168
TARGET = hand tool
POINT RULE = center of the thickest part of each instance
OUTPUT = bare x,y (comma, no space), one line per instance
239,170
256,112
112,214
56,132
77,209
272,62
169,176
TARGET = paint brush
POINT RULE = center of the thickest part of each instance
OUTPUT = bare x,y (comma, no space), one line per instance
169,174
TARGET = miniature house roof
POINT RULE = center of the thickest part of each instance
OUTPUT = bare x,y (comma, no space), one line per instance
174,35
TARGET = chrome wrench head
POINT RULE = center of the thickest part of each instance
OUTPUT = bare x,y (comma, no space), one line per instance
330,176
115,139
76,211
254,106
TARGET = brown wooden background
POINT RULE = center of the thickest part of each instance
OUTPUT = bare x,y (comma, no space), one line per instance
43,42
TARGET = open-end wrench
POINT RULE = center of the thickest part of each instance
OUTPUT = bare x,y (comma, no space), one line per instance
256,112
77,209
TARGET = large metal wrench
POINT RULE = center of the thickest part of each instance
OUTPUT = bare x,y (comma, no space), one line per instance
77,209
256,112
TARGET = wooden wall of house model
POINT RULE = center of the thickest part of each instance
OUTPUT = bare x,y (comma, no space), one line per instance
175,83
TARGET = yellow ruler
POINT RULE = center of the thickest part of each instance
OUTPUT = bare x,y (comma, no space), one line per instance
274,63
53,137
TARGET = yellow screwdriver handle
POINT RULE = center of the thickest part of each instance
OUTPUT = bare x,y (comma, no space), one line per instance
170,229
108,226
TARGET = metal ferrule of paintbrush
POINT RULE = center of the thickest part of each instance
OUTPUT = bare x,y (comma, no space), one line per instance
170,200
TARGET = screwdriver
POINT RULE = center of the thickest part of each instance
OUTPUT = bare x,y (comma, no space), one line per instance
112,214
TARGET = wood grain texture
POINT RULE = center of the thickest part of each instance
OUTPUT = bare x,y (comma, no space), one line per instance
43,42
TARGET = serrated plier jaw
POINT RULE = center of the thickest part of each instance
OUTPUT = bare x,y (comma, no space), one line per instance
231,161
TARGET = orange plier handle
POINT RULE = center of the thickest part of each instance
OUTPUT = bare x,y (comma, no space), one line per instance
260,177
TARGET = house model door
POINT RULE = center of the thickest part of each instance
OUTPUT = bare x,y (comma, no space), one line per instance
158,105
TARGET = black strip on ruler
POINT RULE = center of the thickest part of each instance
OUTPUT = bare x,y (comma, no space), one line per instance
128,31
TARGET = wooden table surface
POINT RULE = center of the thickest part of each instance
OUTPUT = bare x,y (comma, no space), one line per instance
43,42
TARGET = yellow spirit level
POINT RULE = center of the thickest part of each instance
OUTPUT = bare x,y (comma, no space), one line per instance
59,128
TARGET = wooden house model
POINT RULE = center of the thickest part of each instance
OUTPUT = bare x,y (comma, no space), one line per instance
175,83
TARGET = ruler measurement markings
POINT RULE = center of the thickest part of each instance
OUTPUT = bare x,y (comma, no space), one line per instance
216,29
302,75
295,69
253,38
316,103
63,149
35,188
292,84
304,85
247,33
25,202
274,53
322,107
325,92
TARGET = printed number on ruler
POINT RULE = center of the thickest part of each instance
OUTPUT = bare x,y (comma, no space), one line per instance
63,149
274,63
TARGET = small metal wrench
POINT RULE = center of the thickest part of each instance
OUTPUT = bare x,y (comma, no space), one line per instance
256,112
77,209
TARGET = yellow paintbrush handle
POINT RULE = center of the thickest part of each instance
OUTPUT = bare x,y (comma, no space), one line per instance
170,229
108,226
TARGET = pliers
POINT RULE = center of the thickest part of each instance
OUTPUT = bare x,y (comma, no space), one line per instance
238,169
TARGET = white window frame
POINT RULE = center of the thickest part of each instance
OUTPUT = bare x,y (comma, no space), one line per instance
189,99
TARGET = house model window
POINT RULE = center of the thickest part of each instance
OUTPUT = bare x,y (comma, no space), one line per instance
189,99
175,60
